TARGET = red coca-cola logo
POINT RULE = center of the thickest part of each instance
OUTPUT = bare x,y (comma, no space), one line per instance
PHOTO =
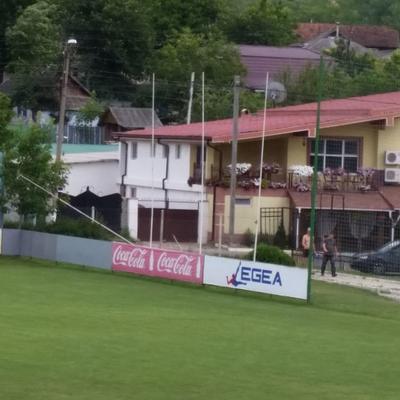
131,257
181,264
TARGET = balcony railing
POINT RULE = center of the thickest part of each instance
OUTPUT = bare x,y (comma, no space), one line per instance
346,182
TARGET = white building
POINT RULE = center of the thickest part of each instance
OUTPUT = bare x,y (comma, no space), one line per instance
96,171
169,181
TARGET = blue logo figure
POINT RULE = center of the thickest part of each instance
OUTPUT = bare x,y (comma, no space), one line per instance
233,281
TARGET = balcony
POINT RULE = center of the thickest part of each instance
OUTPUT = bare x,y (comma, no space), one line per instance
364,180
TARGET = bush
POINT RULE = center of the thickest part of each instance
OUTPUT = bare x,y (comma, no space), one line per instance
76,227
271,254
67,226
280,239
248,238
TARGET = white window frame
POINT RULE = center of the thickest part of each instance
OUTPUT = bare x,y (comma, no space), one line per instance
134,150
322,152
178,151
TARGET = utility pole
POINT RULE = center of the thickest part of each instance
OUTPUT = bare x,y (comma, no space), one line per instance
235,134
189,113
60,133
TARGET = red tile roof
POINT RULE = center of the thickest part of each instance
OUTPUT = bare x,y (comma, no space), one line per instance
369,201
380,37
287,120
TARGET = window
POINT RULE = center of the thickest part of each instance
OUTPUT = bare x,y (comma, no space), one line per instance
336,153
242,201
133,192
133,150
178,151
154,149
165,151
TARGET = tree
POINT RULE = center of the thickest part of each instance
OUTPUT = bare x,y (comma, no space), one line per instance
219,103
170,17
115,38
188,52
268,22
9,10
35,52
27,151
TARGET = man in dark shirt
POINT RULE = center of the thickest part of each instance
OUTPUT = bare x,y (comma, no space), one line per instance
330,251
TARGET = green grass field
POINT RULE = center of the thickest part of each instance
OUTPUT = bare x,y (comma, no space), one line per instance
70,333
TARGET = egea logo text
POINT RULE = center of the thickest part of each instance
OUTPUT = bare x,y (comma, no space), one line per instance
244,275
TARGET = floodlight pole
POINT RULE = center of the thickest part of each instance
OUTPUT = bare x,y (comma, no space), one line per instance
315,179
63,101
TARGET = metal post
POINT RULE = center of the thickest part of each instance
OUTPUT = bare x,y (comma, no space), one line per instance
189,113
220,234
63,100
93,213
235,133
162,227
261,169
314,179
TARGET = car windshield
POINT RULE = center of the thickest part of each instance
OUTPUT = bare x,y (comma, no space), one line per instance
389,246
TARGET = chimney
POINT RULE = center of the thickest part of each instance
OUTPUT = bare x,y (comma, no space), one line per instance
337,30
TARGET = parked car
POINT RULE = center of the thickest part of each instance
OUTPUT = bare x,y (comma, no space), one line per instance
384,260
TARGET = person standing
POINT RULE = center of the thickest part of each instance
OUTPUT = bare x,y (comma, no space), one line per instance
329,253
306,242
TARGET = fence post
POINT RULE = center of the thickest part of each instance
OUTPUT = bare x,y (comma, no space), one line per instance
219,234
162,227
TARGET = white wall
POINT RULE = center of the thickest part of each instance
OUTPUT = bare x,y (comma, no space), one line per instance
101,177
139,171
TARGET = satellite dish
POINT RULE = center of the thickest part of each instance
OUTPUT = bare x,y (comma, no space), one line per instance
276,92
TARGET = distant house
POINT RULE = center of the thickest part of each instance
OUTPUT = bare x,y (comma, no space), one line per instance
259,60
121,119
77,94
380,40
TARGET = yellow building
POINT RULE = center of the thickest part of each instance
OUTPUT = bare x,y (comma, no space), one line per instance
357,179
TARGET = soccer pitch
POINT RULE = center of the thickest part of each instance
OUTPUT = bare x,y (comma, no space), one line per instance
70,333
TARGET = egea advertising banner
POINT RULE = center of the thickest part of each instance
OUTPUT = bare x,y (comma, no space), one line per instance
180,266
256,277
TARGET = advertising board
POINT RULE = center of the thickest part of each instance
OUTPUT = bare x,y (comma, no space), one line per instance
175,265
256,277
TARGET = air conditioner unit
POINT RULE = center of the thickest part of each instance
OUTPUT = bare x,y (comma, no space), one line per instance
392,175
392,157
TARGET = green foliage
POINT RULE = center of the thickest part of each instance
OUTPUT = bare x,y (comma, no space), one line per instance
28,153
188,52
9,10
271,254
170,17
35,52
80,227
90,111
269,22
114,40
280,238
219,103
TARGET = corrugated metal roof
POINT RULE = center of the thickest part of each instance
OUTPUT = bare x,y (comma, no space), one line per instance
286,120
133,117
259,60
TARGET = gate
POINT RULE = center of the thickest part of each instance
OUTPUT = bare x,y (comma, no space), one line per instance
272,220
178,224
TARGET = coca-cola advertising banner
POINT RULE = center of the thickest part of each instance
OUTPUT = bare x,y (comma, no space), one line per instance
167,264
